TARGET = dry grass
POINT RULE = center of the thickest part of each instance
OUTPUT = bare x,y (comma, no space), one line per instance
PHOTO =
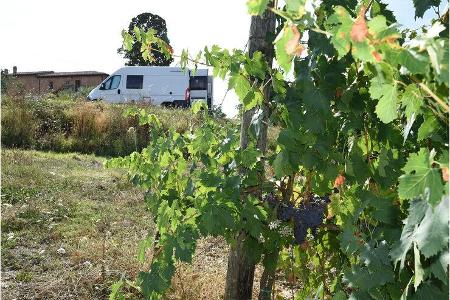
65,124
52,201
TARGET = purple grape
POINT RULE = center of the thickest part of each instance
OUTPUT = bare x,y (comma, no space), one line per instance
271,199
286,212
300,232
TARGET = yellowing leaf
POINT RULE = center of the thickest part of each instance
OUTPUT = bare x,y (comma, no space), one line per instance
284,59
359,29
293,47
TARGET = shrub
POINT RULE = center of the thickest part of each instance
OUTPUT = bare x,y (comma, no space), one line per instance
19,125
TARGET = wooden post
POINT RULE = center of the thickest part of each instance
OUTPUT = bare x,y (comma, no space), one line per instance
241,268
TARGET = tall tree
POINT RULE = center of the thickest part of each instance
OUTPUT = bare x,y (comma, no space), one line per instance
241,266
134,56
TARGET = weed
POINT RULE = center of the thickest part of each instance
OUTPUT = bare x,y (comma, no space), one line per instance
24,276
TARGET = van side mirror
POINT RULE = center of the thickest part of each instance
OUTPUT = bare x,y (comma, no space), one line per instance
102,86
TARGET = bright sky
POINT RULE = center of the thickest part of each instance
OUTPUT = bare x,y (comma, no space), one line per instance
84,35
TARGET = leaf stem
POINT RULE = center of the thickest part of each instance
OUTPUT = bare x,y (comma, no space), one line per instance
430,92
280,13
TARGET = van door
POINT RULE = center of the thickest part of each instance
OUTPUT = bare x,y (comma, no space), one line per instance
167,88
199,88
110,90
134,88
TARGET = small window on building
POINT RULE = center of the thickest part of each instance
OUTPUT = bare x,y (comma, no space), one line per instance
135,81
50,85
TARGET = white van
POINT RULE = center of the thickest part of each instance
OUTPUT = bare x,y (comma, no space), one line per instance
168,86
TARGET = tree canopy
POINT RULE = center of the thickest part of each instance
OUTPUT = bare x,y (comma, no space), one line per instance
135,55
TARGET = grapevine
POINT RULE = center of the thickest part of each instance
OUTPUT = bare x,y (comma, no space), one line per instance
364,123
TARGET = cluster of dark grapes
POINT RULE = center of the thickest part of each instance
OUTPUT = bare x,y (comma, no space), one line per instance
309,215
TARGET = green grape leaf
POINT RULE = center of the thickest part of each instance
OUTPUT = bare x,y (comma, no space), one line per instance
438,53
282,165
422,6
143,246
421,179
349,242
340,25
383,162
257,7
375,271
415,62
412,101
256,66
253,215
137,33
385,211
425,226
416,212
386,108
377,25
127,40
439,267
378,264
158,279
216,217
428,127
418,270
244,91
431,235
249,157
296,8
428,290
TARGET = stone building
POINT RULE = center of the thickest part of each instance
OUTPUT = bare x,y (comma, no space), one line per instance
49,81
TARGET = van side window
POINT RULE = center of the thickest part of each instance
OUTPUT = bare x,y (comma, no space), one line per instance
134,82
198,83
115,82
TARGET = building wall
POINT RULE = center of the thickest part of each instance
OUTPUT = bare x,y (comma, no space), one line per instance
29,82
68,82
37,84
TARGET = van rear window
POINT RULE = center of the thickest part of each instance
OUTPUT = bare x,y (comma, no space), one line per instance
134,81
198,83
